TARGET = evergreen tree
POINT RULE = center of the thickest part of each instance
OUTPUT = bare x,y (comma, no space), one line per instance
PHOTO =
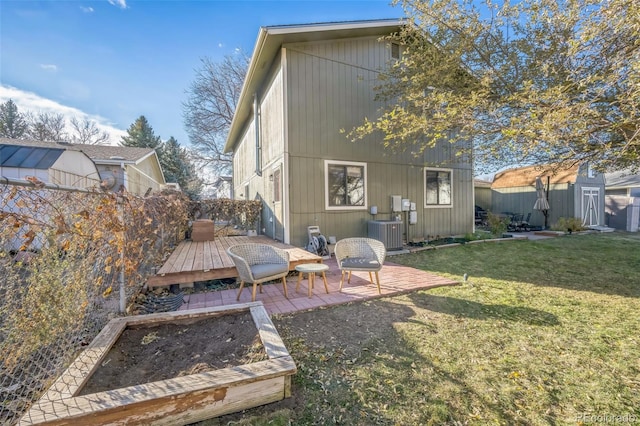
12,123
178,167
140,134
172,161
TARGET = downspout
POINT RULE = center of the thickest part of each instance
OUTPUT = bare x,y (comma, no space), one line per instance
256,122
125,176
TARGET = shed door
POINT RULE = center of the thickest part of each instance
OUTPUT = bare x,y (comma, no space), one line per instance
590,203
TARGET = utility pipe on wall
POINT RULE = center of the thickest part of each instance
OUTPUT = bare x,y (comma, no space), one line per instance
256,123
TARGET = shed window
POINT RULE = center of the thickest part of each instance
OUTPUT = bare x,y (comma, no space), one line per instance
437,187
345,185
395,50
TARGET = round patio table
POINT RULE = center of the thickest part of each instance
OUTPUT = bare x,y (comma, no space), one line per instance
311,269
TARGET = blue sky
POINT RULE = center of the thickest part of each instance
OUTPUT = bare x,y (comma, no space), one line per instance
114,60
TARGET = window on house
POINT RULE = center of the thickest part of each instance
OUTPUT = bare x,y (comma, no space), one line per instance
395,50
277,185
345,185
246,192
437,187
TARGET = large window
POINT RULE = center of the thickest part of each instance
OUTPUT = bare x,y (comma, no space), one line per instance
345,185
437,188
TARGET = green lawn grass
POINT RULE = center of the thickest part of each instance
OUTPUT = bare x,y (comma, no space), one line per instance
541,333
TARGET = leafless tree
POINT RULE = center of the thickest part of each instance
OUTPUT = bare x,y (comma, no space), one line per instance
46,126
209,109
87,132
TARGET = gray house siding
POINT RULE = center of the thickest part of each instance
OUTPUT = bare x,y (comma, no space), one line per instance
312,91
622,200
249,184
482,195
331,88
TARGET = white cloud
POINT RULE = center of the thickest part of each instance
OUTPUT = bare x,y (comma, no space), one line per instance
49,67
29,101
122,4
86,9
220,45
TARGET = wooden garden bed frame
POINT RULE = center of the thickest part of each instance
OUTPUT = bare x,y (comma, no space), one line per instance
176,401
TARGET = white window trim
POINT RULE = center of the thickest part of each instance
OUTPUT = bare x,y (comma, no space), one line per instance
424,188
326,185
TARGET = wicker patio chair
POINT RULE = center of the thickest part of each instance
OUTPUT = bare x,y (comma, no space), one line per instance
257,263
360,254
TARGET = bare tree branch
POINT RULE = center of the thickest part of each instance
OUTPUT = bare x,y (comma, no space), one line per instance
87,132
209,109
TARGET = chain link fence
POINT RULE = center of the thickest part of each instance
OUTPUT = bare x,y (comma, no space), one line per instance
70,260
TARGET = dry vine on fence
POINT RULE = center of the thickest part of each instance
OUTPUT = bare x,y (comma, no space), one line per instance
64,255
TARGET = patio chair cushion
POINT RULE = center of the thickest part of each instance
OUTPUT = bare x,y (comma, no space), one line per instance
268,269
361,263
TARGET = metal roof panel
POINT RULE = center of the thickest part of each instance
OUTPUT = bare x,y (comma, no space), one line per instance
28,157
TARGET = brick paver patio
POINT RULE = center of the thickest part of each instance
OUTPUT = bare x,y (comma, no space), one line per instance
394,279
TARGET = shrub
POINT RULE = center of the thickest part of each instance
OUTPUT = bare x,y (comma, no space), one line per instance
568,224
497,224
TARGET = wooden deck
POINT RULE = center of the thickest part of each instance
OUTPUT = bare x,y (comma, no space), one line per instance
208,260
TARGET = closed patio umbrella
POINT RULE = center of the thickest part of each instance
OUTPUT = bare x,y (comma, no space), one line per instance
541,203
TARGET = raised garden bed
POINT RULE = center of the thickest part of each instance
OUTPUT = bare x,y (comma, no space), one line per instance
188,397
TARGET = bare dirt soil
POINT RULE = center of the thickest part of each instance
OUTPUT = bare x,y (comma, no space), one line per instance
149,354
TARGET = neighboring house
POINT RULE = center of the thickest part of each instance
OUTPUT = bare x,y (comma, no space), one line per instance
223,187
113,167
137,170
622,200
482,193
622,183
574,192
78,166
304,84
49,163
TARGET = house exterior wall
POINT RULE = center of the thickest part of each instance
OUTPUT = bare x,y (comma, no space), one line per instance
249,184
622,212
329,88
482,196
626,192
144,175
22,173
313,91
72,169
